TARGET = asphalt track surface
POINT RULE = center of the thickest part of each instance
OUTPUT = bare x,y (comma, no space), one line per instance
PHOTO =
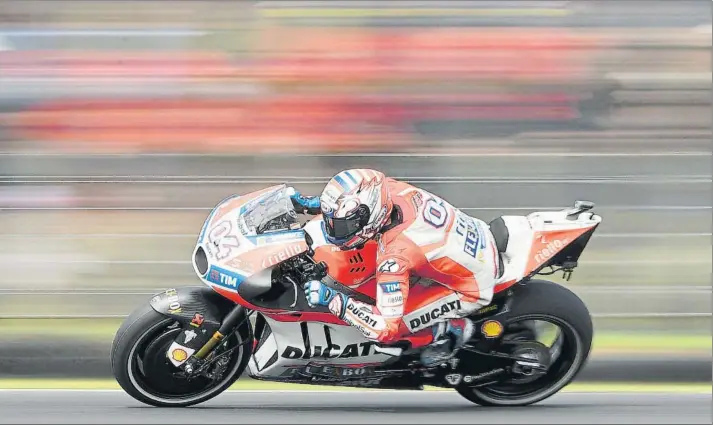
424,407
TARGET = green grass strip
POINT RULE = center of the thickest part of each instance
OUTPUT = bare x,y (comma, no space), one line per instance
253,385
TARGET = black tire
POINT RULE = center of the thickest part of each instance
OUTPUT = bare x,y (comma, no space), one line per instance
544,300
137,330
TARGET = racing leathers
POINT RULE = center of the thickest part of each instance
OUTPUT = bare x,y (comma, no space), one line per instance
429,241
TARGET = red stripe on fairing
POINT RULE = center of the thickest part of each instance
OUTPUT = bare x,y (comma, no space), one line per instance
280,315
306,317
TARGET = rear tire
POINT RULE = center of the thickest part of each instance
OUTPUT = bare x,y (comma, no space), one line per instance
146,328
540,299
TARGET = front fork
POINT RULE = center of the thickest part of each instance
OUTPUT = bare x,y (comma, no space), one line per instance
202,359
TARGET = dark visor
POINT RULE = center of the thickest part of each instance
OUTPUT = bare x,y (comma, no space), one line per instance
342,228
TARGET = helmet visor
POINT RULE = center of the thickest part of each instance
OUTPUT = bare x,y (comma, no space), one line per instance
343,228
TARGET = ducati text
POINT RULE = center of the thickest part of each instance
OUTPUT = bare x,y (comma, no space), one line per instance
363,349
425,316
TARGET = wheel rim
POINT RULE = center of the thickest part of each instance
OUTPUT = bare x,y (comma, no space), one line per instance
566,350
152,374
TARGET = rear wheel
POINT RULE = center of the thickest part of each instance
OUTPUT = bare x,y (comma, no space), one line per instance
548,323
142,368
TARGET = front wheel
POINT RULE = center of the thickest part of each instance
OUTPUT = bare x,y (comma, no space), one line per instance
142,368
541,311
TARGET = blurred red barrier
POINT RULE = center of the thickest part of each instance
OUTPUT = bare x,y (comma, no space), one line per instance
363,55
274,122
338,61
203,125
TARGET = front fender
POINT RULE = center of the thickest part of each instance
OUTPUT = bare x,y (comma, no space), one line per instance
183,304
198,309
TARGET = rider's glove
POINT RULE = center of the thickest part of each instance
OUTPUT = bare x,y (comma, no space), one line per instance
319,294
304,204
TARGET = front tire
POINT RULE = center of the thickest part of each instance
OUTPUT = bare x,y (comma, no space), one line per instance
547,301
142,369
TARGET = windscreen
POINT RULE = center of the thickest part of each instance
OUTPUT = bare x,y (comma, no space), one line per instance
269,213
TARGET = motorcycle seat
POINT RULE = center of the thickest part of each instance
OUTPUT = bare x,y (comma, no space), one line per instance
512,235
500,232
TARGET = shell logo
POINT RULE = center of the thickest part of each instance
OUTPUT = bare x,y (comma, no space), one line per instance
492,329
179,355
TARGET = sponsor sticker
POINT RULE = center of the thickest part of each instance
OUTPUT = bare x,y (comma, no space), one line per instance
189,336
487,309
178,354
390,287
551,248
454,378
327,371
197,320
224,278
428,315
472,378
361,313
363,349
474,241
492,329
174,307
288,251
390,299
389,266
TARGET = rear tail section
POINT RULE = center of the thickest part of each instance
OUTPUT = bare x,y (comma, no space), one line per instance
529,244
559,237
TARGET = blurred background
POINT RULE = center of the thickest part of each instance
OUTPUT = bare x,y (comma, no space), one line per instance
123,122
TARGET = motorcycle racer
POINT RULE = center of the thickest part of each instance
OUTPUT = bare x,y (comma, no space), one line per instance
419,236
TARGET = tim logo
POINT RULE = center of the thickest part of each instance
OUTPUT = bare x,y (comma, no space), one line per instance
227,280
391,287
224,279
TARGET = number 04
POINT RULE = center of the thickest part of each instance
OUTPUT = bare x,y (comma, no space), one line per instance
434,213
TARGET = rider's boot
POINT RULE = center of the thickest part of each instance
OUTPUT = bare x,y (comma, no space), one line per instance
447,342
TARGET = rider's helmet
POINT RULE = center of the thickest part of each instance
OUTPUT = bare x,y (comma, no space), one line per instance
355,205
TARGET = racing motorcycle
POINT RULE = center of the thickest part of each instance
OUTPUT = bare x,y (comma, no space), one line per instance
187,345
